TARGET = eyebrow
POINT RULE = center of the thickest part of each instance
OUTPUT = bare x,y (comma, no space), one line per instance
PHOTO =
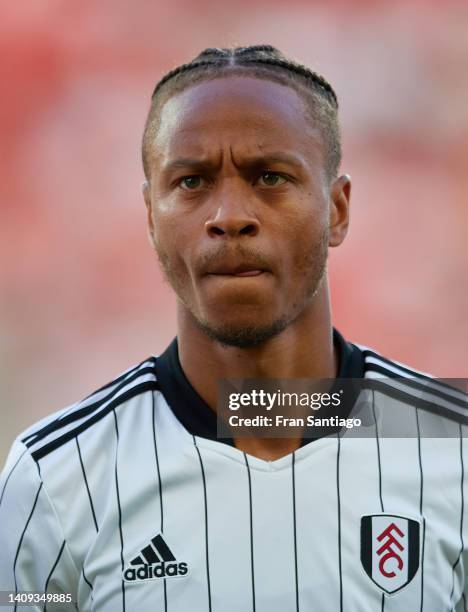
250,161
187,162
273,158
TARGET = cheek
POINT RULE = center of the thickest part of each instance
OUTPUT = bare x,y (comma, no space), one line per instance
303,234
168,238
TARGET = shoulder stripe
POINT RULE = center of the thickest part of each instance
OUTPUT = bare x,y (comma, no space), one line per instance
149,385
393,388
456,397
368,352
404,371
126,374
82,411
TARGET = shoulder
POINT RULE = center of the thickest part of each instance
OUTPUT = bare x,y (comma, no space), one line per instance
443,397
58,428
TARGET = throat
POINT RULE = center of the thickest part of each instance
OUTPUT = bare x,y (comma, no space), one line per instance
268,449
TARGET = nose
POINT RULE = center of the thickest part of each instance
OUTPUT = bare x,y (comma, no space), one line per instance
231,218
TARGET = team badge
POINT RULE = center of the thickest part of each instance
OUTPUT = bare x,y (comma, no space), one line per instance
390,550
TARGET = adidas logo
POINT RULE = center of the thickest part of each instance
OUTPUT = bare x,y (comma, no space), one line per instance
154,561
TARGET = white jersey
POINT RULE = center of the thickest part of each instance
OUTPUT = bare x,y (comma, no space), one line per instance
128,502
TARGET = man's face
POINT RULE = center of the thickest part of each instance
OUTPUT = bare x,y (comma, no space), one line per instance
240,206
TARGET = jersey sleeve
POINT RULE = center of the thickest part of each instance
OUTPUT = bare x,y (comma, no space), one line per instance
33,551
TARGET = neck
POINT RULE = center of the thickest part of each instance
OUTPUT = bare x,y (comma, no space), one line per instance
303,350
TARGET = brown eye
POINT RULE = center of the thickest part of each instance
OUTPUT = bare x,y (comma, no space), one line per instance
271,179
190,182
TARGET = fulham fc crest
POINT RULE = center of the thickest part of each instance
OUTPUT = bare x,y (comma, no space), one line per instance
390,550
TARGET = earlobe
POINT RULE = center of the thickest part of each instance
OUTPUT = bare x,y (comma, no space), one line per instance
339,209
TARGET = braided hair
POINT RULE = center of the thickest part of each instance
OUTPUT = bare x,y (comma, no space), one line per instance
263,62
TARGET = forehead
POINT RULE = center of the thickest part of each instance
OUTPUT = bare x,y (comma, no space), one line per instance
236,112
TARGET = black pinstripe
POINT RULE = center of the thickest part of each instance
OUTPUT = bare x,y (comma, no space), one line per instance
293,470
119,507
206,525
338,502
52,571
11,472
252,568
21,540
87,582
462,511
377,441
153,412
86,484
421,500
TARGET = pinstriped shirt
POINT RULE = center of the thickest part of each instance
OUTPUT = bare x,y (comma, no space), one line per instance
128,501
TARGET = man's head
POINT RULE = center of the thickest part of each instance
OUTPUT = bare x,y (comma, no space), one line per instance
241,153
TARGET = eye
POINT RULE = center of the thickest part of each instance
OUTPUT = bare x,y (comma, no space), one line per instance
271,179
189,183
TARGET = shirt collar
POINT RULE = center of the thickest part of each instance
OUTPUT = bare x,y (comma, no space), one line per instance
195,414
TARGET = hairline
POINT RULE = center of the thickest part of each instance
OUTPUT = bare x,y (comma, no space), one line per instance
254,71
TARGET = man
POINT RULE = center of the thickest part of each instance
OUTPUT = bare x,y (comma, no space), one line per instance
128,500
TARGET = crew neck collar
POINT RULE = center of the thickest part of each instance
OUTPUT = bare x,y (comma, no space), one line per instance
200,420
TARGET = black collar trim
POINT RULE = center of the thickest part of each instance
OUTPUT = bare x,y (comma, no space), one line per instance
195,414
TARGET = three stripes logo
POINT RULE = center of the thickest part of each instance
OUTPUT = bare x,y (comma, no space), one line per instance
154,561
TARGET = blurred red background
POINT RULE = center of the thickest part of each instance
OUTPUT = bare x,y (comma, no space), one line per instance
82,297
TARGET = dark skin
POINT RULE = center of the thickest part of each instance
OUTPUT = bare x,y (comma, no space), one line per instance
241,213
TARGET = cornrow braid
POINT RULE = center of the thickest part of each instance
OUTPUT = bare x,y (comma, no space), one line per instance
255,48
215,51
303,71
259,61
179,70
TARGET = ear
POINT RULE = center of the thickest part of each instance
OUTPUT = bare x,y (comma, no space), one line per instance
339,210
146,189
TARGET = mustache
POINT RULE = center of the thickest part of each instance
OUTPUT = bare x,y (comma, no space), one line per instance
240,254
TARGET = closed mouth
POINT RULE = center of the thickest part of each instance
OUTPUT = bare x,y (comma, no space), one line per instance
240,273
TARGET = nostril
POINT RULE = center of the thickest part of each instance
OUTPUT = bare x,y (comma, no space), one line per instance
217,231
248,229
232,227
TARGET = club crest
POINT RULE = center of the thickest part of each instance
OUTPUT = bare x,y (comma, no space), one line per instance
390,550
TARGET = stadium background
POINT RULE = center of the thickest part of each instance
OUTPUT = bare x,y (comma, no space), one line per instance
81,294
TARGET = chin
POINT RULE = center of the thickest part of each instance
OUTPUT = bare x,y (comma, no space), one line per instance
242,334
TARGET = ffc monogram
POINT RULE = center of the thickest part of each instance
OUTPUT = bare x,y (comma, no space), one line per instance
390,550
